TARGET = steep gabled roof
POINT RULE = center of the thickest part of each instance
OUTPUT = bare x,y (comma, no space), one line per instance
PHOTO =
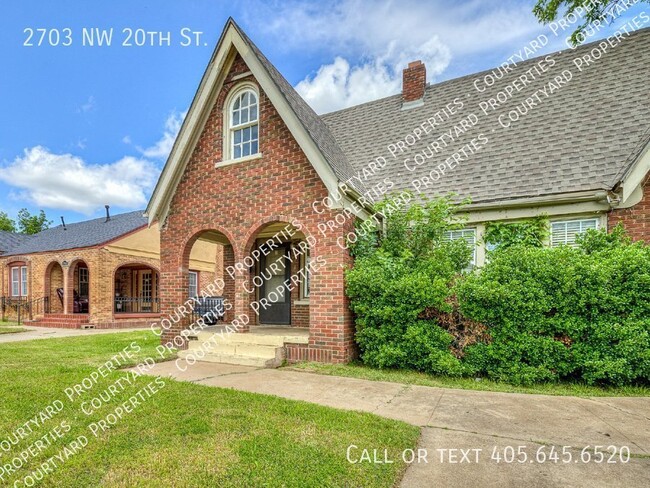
584,137
81,234
315,126
311,133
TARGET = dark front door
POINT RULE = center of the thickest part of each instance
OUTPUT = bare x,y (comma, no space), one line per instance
275,298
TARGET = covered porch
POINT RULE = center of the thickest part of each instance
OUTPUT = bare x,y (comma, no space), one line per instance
135,291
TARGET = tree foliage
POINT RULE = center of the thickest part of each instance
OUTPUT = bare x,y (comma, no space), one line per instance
590,11
6,223
32,224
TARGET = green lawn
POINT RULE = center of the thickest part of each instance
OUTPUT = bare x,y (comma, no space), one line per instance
183,435
10,329
357,370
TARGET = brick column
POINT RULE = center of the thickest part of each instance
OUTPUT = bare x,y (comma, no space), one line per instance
331,323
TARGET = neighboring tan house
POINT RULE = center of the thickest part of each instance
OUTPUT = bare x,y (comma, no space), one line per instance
101,273
255,170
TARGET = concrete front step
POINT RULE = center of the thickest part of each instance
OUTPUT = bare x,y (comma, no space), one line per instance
262,346
241,360
254,337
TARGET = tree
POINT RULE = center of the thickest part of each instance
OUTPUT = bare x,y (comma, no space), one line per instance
32,224
591,12
6,223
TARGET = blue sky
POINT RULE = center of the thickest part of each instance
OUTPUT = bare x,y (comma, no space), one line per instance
82,126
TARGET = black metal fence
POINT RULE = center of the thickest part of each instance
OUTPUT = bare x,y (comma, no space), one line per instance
22,308
210,309
136,305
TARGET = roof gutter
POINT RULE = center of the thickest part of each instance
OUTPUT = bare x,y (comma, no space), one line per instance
545,200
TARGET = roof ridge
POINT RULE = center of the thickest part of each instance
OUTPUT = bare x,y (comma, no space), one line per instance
485,71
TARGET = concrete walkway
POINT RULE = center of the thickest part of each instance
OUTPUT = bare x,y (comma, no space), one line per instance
53,333
462,419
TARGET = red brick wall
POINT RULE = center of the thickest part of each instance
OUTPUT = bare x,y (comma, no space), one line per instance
636,219
238,200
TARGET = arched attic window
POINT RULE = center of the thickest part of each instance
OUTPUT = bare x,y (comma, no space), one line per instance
243,123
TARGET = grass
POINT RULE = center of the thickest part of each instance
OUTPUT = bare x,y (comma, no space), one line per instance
10,329
185,434
357,370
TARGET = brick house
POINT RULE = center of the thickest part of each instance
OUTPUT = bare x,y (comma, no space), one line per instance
101,273
278,188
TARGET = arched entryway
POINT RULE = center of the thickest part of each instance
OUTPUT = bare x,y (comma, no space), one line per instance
208,263
135,290
54,287
279,284
78,290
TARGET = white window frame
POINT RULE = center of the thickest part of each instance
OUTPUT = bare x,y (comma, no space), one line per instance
305,259
582,222
18,281
452,235
15,281
230,128
24,285
195,274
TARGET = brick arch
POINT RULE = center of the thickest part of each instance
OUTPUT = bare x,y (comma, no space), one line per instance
55,305
260,224
195,233
135,263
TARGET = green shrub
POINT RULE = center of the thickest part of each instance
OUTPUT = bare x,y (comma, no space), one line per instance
399,276
564,313
532,314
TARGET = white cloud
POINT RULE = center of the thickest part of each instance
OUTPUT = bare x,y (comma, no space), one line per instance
67,182
372,41
162,148
89,106
126,139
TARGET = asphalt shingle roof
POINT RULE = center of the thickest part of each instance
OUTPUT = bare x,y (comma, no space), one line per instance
581,137
10,239
80,234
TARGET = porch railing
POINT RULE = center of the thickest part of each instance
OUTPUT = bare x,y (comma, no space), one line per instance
22,308
210,309
136,305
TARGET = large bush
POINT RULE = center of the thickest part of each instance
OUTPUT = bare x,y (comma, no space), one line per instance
563,313
531,314
397,278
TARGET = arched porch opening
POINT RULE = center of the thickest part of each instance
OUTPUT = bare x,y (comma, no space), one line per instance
54,287
135,290
278,285
208,260
77,296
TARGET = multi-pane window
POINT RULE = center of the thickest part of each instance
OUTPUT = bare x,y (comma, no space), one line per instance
23,281
83,282
565,232
194,284
244,126
469,235
19,281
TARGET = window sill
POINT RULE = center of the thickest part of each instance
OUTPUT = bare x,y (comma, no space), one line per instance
304,301
228,162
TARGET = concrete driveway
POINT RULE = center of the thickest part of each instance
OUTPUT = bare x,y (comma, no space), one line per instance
463,432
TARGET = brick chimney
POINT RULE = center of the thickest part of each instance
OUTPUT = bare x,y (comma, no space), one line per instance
413,82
